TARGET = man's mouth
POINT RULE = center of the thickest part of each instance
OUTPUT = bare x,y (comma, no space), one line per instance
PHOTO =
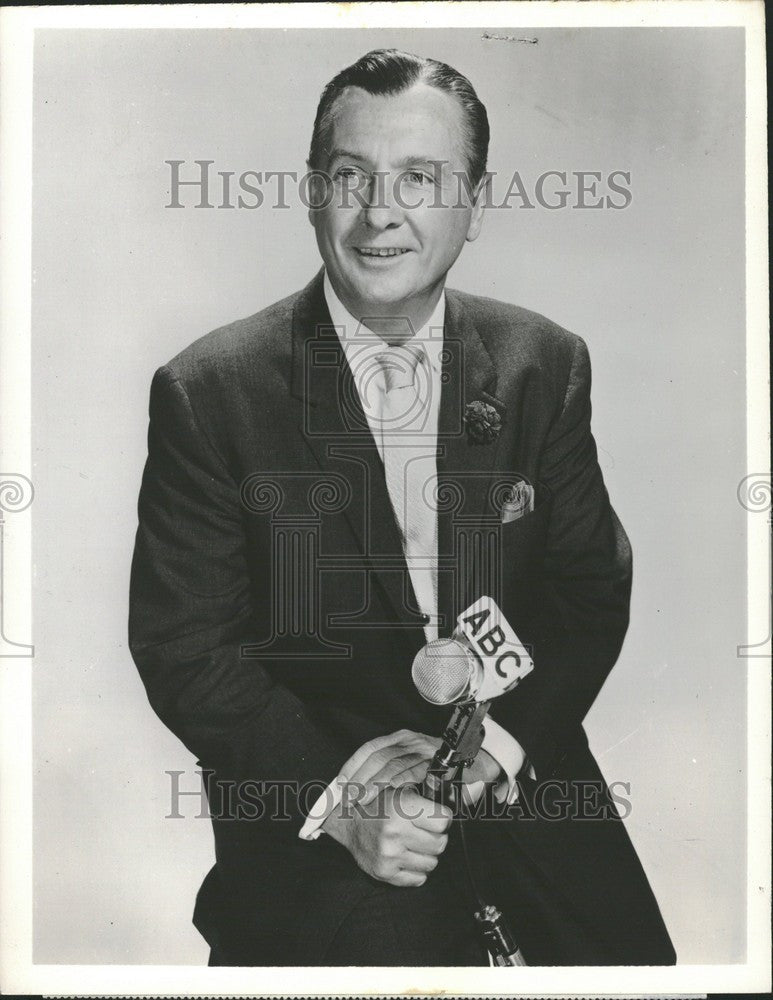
381,251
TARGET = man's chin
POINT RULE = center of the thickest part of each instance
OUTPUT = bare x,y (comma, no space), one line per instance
377,297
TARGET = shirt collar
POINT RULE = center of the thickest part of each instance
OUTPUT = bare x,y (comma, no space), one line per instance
360,343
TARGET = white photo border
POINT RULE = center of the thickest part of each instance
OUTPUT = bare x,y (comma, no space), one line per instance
17,971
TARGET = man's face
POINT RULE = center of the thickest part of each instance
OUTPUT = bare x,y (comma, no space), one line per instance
389,153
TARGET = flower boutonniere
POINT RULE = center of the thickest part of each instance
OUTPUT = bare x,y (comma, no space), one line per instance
482,422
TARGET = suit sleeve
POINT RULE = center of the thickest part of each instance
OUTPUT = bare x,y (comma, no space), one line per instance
581,613
191,612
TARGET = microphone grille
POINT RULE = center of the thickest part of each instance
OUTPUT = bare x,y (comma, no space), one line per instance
441,671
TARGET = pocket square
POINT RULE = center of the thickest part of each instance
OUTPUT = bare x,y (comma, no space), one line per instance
519,502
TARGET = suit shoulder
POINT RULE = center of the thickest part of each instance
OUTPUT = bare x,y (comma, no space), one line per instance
509,329
228,349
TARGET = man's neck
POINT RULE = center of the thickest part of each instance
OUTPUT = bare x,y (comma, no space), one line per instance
393,325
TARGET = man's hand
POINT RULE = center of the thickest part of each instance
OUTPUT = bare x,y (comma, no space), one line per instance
403,758
396,759
397,839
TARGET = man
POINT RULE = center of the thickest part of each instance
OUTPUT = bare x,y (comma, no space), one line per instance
323,482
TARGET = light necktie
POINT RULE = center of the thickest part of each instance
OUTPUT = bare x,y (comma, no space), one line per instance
410,458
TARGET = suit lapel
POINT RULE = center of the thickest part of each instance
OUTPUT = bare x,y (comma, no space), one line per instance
337,433
467,513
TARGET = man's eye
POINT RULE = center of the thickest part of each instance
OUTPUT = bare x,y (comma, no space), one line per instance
417,177
347,174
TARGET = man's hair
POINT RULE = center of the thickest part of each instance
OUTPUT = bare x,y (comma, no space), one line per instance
390,71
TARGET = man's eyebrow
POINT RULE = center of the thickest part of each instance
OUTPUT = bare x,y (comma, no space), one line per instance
417,159
346,154
413,159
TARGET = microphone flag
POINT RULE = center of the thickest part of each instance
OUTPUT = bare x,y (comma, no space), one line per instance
504,658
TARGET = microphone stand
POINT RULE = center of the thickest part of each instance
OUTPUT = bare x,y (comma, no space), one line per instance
462,740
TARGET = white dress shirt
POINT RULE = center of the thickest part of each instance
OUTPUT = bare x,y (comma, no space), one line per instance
362,348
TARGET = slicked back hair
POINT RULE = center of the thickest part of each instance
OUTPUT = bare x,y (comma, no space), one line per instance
390,71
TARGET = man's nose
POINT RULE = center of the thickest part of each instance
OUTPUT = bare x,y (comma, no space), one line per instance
382,210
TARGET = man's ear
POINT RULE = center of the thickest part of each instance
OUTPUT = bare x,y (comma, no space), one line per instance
478,207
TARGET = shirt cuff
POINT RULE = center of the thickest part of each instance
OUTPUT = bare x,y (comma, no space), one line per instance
321,809
508,753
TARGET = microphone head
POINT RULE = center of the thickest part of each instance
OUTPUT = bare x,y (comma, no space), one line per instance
442,671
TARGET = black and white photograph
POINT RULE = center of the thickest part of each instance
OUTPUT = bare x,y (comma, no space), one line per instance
385,500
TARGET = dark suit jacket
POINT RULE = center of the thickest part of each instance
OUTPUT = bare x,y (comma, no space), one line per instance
274,624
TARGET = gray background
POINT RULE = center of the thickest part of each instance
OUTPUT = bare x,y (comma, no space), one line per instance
121,284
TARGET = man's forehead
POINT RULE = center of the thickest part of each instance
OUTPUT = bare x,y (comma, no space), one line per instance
420,112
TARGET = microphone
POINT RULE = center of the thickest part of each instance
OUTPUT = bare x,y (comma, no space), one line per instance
483,659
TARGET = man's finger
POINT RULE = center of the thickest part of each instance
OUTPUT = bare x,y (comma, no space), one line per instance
415,744
413,775
384,748
386,775
412,861
385,758
424,842
433,817
472,792
412,879
359,757
420,812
